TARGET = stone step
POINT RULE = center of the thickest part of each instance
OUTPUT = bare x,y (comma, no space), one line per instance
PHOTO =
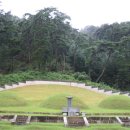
21,120
75,121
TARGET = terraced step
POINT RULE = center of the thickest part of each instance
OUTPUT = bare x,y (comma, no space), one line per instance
75,121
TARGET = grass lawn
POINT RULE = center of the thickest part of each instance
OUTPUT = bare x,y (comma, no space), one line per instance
56,126
51,98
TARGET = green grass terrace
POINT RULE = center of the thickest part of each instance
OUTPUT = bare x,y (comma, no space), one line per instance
52,98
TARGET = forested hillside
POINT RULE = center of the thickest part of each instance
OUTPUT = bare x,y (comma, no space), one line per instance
47,42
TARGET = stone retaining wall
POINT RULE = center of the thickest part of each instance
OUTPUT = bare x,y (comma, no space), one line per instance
73,84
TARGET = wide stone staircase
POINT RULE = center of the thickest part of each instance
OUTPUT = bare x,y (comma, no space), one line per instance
75,121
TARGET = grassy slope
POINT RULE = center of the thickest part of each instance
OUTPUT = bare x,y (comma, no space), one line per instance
11,99
116,102
56,126
36,95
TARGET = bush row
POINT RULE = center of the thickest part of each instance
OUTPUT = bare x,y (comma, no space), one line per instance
34,75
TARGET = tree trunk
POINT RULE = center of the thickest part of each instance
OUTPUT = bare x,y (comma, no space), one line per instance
64,62
104,68
12,64
74,58
100,76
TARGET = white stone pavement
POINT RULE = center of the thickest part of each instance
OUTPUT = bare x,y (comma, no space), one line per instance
73,84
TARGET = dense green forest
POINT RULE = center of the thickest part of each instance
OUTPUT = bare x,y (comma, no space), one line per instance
47,42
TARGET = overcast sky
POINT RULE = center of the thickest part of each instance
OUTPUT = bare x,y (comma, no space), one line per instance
82,12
